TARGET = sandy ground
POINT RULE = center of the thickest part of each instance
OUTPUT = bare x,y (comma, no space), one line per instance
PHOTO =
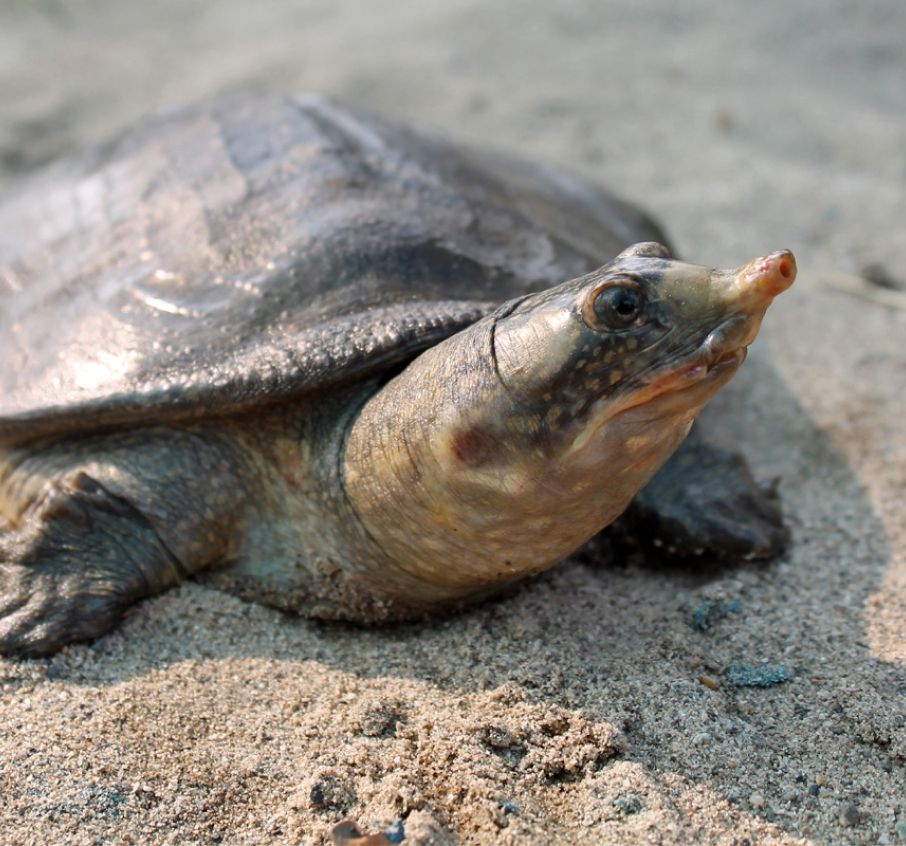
575,711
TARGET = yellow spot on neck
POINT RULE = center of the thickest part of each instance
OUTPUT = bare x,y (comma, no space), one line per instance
637,442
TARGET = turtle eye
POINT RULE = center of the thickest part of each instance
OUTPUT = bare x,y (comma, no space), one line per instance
615,305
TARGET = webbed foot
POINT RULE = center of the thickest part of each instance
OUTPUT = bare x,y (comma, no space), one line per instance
704,501
81,558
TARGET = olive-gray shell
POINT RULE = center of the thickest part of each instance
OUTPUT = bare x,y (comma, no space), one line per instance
221,257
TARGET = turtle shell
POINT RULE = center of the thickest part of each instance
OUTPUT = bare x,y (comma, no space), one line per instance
254,250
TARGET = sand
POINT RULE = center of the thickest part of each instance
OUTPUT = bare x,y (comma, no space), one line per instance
596,706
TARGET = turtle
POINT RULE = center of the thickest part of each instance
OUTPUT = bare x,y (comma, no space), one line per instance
349,369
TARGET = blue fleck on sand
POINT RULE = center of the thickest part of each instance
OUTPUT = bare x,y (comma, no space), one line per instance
744,675
711,611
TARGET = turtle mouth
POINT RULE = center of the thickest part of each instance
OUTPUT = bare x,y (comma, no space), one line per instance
719,356
707,367
675,393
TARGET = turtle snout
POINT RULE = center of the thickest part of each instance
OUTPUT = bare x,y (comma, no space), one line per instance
744,294
769,275
749,290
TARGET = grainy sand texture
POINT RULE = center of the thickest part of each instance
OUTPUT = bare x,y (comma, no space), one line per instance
598,704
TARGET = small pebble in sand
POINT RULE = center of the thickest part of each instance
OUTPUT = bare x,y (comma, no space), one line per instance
766,675
711,611
756,799
395,833
628,803
850,814
710,682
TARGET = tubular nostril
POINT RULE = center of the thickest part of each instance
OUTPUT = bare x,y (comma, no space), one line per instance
757,282
785,264
772,274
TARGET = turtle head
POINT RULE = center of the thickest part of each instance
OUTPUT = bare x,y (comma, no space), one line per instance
646,338
505,447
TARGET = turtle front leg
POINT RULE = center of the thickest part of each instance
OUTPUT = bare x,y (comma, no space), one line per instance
106,522
704,501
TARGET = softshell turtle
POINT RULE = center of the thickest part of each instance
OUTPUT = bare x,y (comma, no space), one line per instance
331,364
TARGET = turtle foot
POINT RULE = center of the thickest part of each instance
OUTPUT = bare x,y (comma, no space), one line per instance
40,612
705,502
69,574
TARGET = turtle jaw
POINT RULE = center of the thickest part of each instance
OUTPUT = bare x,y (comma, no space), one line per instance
683,392
718,358
670,400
